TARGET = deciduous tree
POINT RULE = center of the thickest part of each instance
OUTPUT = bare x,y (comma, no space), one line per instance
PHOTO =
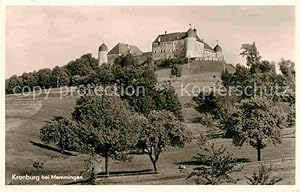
217,165
263,176
107,127
255,121
60,131
162,129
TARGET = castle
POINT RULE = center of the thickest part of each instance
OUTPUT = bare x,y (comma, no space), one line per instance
166,46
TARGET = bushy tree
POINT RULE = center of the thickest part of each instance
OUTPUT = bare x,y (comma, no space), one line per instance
287,68
251,117
263,176
107,127
148,95
257,72
60,76
60,131
166,99
12,85
44,77
217,163
255,121
82,66
251,53
80,71
29,79
288,82
161,129
176,71
214,105
104,75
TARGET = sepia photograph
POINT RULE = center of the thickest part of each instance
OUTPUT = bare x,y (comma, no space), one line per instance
150,95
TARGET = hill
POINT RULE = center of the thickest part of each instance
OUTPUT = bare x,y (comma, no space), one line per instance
198,68
195,76
23,147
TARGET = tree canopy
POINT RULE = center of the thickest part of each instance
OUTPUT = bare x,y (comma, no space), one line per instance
255,121
217,165
107,126
60,131
161,129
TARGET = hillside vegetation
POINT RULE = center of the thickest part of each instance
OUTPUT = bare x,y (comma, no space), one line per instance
24,147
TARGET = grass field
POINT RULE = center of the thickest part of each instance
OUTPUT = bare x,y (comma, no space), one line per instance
25,117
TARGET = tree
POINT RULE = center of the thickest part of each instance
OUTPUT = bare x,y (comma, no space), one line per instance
160,130
176,71
148,95
82,66
12,85
60,76
215,106
257,73
165,98
288,77
254,121
250,52
107,127
29,80
217,163
287,68
60,131
104,75
44,77
263,177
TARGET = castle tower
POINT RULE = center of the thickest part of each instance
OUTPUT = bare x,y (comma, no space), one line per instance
102,54
190,42
218,51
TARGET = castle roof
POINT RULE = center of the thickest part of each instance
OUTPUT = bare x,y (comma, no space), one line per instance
178,36
124,49
218,48
206,46
191,33
103,47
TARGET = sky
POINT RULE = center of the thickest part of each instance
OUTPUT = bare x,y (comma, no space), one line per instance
46,36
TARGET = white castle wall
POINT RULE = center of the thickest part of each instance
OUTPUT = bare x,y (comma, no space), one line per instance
102,57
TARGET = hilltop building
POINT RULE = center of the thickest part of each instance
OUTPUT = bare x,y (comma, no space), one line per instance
184,44
120,49
165,46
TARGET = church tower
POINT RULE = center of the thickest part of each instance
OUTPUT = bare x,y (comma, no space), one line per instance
102,54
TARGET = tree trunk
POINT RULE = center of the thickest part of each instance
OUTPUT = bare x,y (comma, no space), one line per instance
258,148
106,167
153,160
258,154
93,176
154,166
62,146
